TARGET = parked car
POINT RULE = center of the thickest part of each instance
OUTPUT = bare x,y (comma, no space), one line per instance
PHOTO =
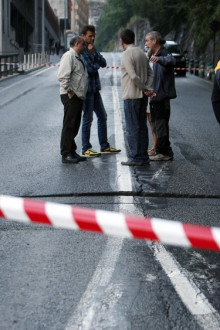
176,51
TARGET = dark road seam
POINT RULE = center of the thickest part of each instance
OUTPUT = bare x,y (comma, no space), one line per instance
126,193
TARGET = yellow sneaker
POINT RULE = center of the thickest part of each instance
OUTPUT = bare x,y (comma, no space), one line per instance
110,150
91,153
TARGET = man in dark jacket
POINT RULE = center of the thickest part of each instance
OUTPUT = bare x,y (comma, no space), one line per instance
164,87
216,93
93,60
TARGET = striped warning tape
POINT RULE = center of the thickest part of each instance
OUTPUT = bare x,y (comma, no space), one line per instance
110,223
107,67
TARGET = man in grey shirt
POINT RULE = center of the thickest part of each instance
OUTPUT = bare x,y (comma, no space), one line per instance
136,83
73,78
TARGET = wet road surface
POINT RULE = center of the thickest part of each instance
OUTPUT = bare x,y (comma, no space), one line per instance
59,279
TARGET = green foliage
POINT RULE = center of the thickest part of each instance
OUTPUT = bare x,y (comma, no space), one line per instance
164,15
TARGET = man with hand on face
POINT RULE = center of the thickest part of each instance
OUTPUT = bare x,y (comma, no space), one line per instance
93,102
73,80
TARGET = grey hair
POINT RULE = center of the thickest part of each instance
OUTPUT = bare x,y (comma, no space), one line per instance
74,40
156,35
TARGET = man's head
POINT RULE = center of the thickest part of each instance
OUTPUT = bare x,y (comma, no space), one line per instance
78,44
127,37
88,34
154,41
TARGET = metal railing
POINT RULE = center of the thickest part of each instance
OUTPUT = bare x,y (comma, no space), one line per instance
201,69
32,61
8,65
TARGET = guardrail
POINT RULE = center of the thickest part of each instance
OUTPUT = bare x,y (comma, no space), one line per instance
32,61
201,69
9,64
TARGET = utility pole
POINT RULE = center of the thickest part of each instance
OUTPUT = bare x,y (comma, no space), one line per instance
65,16
1,32
43,27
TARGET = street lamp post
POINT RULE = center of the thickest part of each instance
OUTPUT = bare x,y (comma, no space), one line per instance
43,27
65,15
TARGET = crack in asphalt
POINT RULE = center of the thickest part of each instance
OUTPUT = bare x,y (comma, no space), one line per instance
16,97
126,193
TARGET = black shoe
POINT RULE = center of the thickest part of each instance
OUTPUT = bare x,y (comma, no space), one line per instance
69,159
135,163
80,158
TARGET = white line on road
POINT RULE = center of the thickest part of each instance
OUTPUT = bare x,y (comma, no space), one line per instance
90,302
31,75
190,294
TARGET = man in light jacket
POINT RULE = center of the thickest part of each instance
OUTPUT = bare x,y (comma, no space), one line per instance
73,78
136,84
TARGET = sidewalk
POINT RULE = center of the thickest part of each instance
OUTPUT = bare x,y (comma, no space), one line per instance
53,60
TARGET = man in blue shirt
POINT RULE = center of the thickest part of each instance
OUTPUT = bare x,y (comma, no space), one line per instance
93,102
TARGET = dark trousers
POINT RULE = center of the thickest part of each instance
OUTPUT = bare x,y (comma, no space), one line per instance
136,128
71,123
160,115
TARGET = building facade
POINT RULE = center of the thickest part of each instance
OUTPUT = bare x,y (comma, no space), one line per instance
95,10
72,15
79,15
27,26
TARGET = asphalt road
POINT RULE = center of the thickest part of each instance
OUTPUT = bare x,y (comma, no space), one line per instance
60,279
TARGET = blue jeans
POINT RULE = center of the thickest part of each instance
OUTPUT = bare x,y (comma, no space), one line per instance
136,128
93,102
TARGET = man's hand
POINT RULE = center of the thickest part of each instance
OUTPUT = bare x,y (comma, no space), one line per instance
154,59
150,93
91,49
70,94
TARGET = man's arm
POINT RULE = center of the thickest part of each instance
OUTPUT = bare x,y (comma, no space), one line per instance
97,56
129,67
100,59
65,70
90,63
128,64
167,60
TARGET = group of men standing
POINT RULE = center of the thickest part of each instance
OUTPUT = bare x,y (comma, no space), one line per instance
80,92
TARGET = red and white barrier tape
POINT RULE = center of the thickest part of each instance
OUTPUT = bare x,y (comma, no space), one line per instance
110,223
107,67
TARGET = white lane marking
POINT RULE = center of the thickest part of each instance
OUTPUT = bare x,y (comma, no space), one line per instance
190,294
24,80
123,172
89,304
